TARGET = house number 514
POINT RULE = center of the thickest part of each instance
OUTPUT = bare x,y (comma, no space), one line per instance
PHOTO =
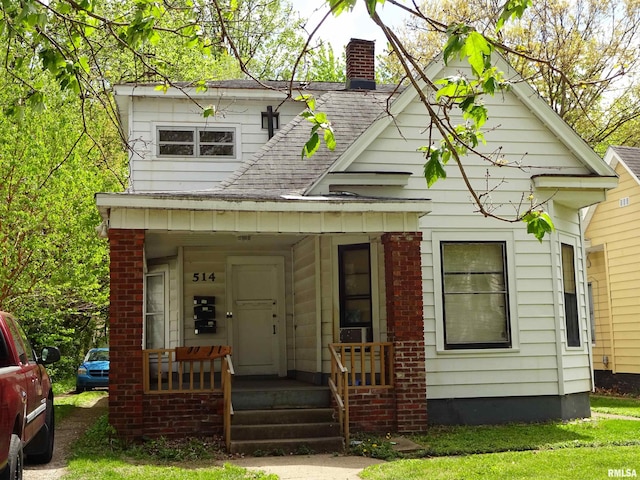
204,277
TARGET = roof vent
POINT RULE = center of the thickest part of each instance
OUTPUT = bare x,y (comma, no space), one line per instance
624,202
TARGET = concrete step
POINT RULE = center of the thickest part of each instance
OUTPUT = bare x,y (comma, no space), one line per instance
281,431
283,416
263,399
288,446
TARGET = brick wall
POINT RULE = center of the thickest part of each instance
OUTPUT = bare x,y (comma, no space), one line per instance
125,332
372,410
183,415
405,327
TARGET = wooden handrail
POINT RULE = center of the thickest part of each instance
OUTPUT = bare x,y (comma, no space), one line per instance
227,375
339,385
358,366
370,365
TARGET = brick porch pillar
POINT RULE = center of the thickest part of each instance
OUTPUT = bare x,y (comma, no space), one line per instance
125,332
405,327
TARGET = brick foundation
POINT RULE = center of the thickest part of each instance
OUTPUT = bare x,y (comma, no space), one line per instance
372,410
405,327
125,332
183,415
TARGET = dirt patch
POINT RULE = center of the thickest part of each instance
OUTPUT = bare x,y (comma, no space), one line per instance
68,430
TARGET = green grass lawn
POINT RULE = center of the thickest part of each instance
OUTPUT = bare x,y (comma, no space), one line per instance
64,405
569,464
629,407
99,456
465,440
581,449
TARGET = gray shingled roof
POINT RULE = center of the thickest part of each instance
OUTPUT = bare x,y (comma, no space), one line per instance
282,85
631,157
278,168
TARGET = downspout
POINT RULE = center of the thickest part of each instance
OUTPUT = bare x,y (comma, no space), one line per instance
612,360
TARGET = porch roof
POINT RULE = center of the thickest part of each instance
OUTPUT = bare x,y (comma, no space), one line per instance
200,211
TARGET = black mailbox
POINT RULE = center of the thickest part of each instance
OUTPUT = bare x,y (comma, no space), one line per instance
204,314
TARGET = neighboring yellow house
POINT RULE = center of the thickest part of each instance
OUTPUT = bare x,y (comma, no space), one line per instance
613,272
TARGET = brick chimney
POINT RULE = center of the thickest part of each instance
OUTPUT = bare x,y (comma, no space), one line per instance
361,65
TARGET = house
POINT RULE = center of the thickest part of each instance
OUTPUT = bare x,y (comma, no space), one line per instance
330,270
613,248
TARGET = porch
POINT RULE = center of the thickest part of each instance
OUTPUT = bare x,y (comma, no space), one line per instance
374,385
281,414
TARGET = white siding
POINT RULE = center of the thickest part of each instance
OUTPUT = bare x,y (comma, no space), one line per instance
214,260
174,305
150,173
536,364
576,363
330,296
305,276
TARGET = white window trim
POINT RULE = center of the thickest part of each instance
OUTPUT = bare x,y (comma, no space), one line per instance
379,330
236,127
164,271
580,298
459,236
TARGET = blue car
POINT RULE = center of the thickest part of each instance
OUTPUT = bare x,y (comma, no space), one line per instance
94,371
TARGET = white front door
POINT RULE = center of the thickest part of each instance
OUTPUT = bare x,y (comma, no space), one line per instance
257,315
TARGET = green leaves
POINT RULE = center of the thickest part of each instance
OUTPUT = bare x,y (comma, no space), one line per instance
512,8
339,6
140,29
538,223
321,124
434,168
209,111
464,42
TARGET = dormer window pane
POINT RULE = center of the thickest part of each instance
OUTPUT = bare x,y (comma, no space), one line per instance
208,136
216,143
216,150
178,136
176,149
196,142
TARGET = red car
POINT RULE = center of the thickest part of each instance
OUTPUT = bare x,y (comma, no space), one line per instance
26,401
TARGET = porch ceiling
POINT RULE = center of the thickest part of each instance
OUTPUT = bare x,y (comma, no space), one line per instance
165,244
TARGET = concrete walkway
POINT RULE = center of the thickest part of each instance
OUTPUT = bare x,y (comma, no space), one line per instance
322,466
309,467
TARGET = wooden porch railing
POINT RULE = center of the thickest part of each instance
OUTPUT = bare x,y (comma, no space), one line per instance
227,376
356,366
339,385
369,364
184,369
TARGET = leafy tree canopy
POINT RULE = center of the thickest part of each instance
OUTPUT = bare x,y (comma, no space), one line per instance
580,55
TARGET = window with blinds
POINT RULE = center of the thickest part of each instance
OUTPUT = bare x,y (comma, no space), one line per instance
475,295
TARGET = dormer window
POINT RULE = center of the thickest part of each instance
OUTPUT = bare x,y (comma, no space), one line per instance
196,142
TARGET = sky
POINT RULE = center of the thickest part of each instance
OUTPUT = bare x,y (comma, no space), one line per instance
356,24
